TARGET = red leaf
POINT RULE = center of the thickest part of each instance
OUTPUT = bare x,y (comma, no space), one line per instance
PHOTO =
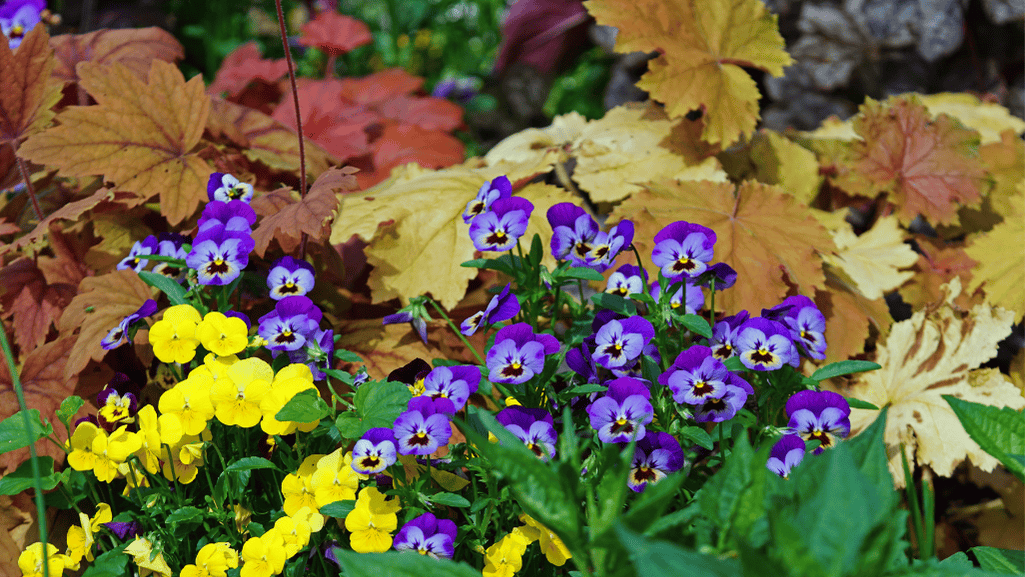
428,113
136,49
34,303
243,66
380,86
335,33
400,144
327,119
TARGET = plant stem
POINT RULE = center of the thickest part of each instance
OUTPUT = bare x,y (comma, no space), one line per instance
298,115
455,329
23,169
928,516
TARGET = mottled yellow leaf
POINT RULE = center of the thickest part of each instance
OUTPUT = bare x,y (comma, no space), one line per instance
538,147
869,262
1001,256
989,118
781,161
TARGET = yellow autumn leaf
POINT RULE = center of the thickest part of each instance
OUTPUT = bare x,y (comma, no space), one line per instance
1001,257
936,352
1005,160
870,262
989,118
779,160
536,149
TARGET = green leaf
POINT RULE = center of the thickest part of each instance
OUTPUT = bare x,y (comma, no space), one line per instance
174,291
21,478
69,407
653,502
615,303
250,463
585,390
859,404
490,264
1000,560
699,436
734,497
843,368
347,356
997,430
582,273
653,558
187,515
113,563
537,251
349,425
13,435
450,499
696,324
399,564
305,407
378,404
338,509
734,364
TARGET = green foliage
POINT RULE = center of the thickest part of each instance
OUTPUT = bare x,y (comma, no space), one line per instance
1000,560
396,564
997,430
377,404
21,478
13,435
305,407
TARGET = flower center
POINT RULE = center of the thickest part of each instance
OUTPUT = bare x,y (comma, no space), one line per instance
683,263
763,356
498,237
420,439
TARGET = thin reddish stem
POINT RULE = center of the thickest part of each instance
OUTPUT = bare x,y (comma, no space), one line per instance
298,116
28,184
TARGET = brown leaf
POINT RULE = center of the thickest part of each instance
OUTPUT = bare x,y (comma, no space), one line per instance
311,215
938,263
32,301
70,211
140,135
135,49
26,93
848,318
67,266
244,65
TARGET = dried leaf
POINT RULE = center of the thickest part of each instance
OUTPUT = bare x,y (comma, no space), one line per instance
703,46
335,33
26,93
385,348
310,215
1005,160
34,303
849,317
988,118
869,262
133,48
534,151
244,65
70,211
140,136
781,161
929,355
1001,257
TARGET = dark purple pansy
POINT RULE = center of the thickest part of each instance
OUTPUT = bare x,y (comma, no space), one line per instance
535,427
655,456
627,280
606,246
124,529
316,352
724,335
374,452
224,187
787,453
172,245
290,277
290,324
17,17
619,342
720,272
580,361
518,354
144,247
489,192
724,408
234,216
117,402
218,256
806,322
501,226
683,249
573,232
427,535
765,345
502,307
418,324
696,376
413,374
424,427
622,412
118,334
822,416
455,383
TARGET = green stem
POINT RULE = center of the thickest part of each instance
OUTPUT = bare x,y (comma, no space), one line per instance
912,496
711,307
928,516
455,329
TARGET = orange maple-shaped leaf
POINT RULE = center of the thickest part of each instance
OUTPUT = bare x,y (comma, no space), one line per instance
769,238
135,49
928,167
311,215
938,263
428,113
139,136
26,93
328,120
244,65
703,45
33,302
335,33
70,211
403,143
380,86
102,302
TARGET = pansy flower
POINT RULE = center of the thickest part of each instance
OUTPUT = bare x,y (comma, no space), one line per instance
424,427
117,335
489,192
412,374
117,402
655,456
500,228
724,335
141,248
171,245
17,17
174,336
786,454
374,452
535,427
821,416
502,307
720,272
683,249
622,412
290,277
316,353
765,345
455,383
292,321
234,216
806,322
573,232
224,187
580,360
724,408
606,246
627,280
697,377
518,354
619,342
218,256
427,535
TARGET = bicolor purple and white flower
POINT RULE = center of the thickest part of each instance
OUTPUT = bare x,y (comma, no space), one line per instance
489,192
725,333
427,535
518,354
697,377
118,334
290,277
619,342
787,453
535,427
501,226
219,256
725,407
235,216
624,410
683,249
627,280
606,246
502,307
374,452
117,402
822,416
455,383
224,187
424,426
290,324
765,345
655,456
141,248
806,322
573,232
172,245
17,17
418,323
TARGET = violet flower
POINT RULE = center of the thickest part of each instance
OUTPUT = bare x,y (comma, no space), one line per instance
134,260
218,256
290,277
518,354
412,374
619,342
235,216
573,232
724,335
806,322
489,192
822,416
424,427
605,247
374,452
455,383
581,361
696,376
765,345
117,335
225,187
124,529
502,307
427,535
724,408
535,427
418,324
316,352
622,412
683,249
172,245
722,273
627,280
117,402
500,228
17,17
290,324
786,454
655,456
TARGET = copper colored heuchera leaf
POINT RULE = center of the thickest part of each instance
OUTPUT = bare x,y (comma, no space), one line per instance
139,136
34,303
310,215
769,238
335,33
938,264
428,113
244,65
135,49
404,143
327,119
934,353
849,317
26,93
70,211
101,303
703,45
379,86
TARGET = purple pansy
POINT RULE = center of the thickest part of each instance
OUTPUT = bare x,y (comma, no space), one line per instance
619,342
606,246
502,307
290,277
424,427
17,17
806,322
655,456
724,335
124,529
500,228
822,416
225,187
627,280
412,374
573,232
786,454
172,245
117,334
427,535
765,345
489,192
535,427
622,412
316,352
724,408
683,249
722,273
218,256
697,377
234,216
141,248
580,361
374,452
418,324
518,354
455,383
293,320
